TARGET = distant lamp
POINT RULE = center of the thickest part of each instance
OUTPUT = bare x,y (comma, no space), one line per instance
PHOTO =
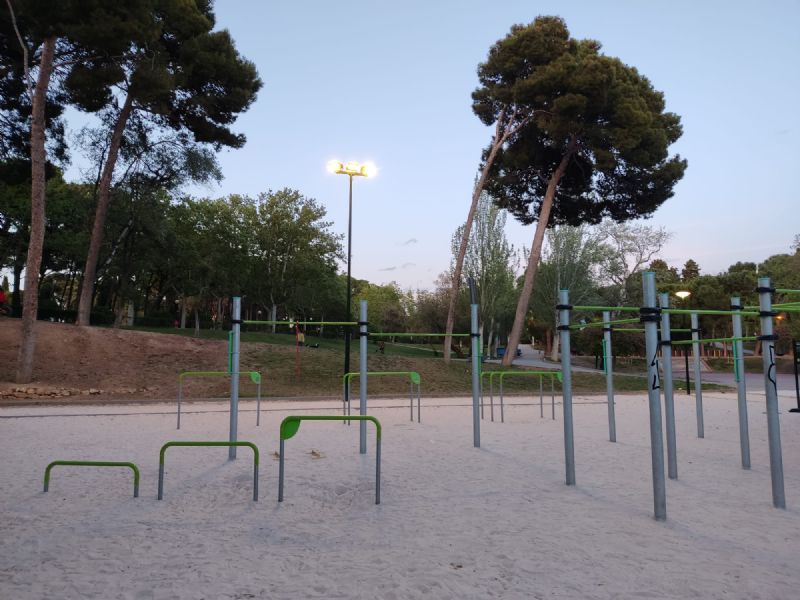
683,294
352,168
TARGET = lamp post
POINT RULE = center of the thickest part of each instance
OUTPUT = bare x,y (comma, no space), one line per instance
351,169
683,295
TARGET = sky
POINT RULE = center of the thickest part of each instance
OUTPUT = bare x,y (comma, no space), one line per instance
390,82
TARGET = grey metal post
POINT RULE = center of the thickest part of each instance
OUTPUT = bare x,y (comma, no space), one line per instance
491,395
362,367
771,389
649,314
280,473
180,397
669,399
160,481
541,397
236,319
419,403
476,374
566,371
553,397
378,472
255,482
609,368
258,403
698,384
411,400
741,384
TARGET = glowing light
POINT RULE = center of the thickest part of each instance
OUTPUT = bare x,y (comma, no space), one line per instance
352,168
683,294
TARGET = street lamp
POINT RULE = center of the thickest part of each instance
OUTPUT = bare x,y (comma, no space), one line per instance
351,169
683,295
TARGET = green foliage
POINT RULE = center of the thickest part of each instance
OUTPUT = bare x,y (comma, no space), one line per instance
691,270
599,114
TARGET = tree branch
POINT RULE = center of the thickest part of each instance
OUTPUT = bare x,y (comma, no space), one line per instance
25,65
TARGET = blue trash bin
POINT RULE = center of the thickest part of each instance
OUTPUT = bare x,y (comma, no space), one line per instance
501,352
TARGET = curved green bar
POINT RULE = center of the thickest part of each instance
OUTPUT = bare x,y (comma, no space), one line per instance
93,463
204,444
291,424
413,375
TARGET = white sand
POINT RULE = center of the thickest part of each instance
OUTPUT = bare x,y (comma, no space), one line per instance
455,522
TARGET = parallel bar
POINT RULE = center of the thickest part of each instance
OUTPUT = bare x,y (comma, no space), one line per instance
413,333
786,291
706,311
206,444
602,308
669,400
748,338
741,385
566,373
248,322
93,463
771,390
602,323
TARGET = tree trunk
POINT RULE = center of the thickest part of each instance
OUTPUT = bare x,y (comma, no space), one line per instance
548,344
103,197
536,253
16,296
274,316
196,322
38,161
183,313
500,136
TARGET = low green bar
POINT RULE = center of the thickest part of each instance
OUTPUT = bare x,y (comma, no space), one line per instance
602,323
412,375
786,291
291,424
93,463
255,376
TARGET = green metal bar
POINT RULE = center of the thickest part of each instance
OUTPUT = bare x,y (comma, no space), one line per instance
601,323
205,444
609,308
786,291
291,425
751,338
255,376
300,322
705,311
413,375
413,333
93,463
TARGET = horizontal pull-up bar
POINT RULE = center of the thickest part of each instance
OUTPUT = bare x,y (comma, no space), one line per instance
300,322
751,338
786,291
415,333
608,308
93,463
602,323
707,311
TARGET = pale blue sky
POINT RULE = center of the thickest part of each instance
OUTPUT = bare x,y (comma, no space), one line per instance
391,81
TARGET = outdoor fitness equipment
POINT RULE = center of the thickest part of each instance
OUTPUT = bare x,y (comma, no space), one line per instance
93,463
255,377
553,375
161,457
291,424
414,379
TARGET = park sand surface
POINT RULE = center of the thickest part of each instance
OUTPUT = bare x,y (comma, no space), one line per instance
454,521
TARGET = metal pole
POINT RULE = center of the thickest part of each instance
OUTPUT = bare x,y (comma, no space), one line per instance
566,371
553,398
649,314
609,368
491,394
476,371
698,383
258,403
349,288
541,397
378,471
741,384
362,332
771,389
236,319
502,416
280,473
795,347
180,396
686,366
669,400
419,403
411,400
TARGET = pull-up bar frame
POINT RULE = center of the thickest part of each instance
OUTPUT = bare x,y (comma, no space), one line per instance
93,463
255,377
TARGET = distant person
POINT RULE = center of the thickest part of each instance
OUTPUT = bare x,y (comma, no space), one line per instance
382,347
301,338
3,298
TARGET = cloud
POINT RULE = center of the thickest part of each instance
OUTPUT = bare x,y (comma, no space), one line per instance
395,267
409,241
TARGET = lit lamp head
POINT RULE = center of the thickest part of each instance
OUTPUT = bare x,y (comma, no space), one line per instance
352,168
683,294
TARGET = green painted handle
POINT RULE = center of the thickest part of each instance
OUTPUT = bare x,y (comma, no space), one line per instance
291,424
224,444
413,375
91,463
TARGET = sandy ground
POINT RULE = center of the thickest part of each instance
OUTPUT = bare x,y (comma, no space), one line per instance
454,522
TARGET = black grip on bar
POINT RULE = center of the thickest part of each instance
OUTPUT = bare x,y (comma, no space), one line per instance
767,313
563,306
666,342
236,321
769,290
737,307
563,328
767,338
649,314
